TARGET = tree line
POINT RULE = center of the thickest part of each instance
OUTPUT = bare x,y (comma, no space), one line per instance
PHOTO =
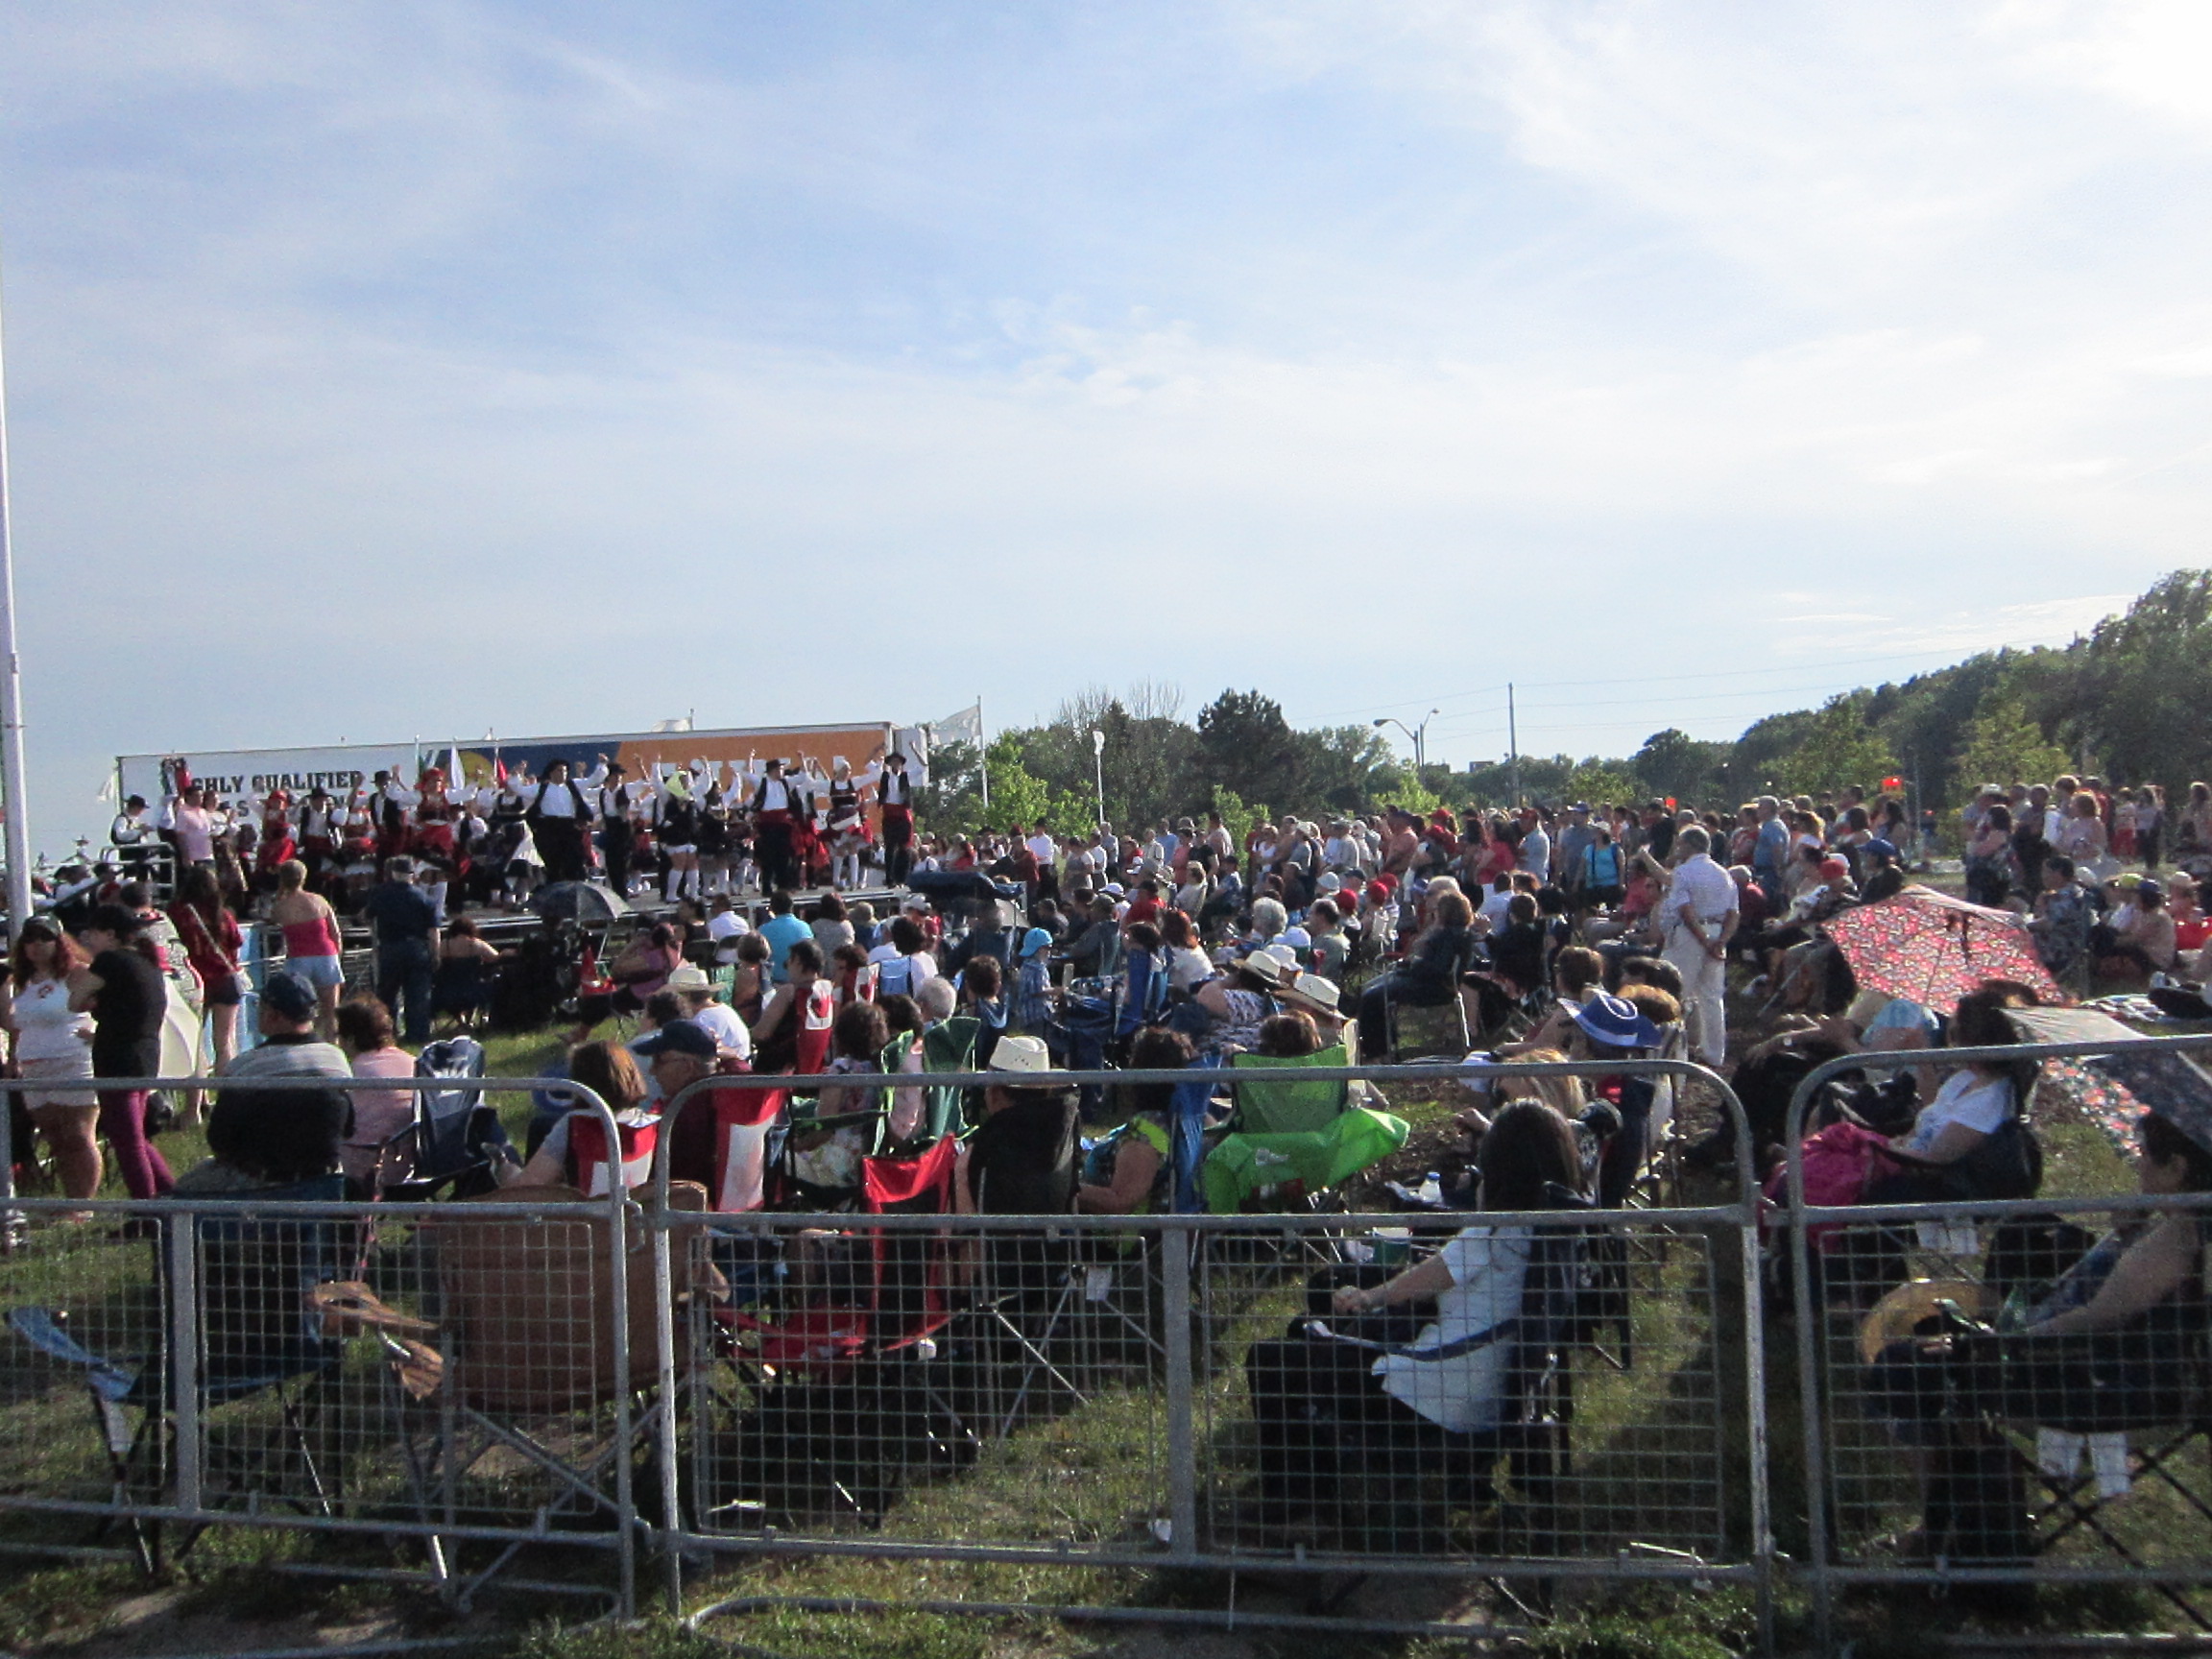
2122,702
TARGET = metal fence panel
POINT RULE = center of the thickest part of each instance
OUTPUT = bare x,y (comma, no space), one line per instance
1943,1442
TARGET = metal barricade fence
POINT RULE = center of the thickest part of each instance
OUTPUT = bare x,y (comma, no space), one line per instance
1075,1404
454,1374
1944,1444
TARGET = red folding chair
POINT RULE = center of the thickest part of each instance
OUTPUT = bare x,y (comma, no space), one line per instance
843,1396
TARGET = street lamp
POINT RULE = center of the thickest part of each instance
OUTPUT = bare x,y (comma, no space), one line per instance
1098,758
1419,733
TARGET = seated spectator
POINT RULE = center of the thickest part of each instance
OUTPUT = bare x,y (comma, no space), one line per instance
695,1001
1021,1161
1290,1035
2191,927
749,988
2110,1347
983,994
1332,1391
460,985
1127,1172
1188,966
2066,911
903,958
289,1047
2145,938
1238,1002
1971,1141
366,1033
1095,953
775,1033
1032,1008
1429,977
607,1070
1883,873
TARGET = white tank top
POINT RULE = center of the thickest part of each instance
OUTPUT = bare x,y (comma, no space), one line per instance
45,1028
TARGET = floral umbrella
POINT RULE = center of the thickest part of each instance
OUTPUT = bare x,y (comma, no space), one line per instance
1931,949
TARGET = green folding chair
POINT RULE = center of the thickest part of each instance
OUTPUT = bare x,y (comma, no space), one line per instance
1264,1173
1281,1107
948,1045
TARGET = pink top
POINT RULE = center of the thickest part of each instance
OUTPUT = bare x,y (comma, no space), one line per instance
378,1115
314,937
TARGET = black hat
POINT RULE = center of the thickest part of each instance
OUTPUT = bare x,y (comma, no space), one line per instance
679,1037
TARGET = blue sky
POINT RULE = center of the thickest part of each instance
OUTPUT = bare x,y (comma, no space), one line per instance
397,368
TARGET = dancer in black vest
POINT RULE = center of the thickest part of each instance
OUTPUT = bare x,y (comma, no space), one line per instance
558,817
612,800
777,805
895,796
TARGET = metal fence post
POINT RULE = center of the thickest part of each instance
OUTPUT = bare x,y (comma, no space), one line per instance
1182,1437
180,1243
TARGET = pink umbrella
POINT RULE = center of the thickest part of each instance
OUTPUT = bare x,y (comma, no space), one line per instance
1931,949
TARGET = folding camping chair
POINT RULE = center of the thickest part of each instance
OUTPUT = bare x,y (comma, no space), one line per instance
258,1336
948,1045
533,1369
1248,1172
456,1142
1274,1107
842,1371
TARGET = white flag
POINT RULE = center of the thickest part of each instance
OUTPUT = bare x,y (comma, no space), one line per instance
963,727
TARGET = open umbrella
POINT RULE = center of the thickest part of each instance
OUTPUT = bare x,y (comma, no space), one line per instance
584,902
1931,949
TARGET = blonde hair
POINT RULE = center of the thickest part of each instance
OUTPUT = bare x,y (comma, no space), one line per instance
290,876
1560,1092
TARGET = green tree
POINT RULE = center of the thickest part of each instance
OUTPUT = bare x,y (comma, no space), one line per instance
1245,744
1598,781
1836,747
2002,746
1673,763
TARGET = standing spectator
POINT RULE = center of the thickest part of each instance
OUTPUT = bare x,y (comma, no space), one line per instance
213,941
53,1046
123,988
1535,853
406,923
312,941
190,827
1700,915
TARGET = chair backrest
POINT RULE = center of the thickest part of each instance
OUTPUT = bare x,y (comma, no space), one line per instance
1144,991
1247,1172
255,1275
1022,1162
948,1045
905,1121
1290,1108
911,1269
526,1301
817,1014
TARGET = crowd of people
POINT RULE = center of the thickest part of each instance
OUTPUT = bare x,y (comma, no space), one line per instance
1546,935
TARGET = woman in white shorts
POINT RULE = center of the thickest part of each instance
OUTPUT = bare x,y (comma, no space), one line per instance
53,1046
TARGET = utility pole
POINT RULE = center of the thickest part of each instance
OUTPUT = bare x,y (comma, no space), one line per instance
1512,745
982,752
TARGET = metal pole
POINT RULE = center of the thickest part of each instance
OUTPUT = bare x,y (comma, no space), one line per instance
1098,756
17,834
1512,745
982,752
1182,1431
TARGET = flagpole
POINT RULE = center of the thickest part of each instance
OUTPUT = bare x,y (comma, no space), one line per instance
16,836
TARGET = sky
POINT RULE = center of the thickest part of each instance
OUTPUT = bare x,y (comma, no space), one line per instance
410,368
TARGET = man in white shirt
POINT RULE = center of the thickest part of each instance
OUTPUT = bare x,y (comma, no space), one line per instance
1697,917
1044,850
1535,853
